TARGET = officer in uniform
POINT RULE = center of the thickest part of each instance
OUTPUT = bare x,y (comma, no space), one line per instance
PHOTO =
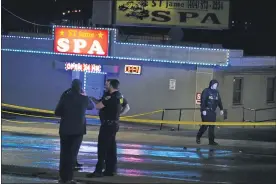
124,110
210,100
125,105
112,107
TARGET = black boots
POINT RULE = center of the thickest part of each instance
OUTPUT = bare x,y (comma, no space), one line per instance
211,142
198,140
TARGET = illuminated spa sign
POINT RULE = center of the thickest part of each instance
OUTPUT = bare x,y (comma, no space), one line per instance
133,69
83,67
81,41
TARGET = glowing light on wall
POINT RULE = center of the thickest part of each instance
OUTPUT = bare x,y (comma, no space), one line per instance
83,67
81,41
133,69
114,31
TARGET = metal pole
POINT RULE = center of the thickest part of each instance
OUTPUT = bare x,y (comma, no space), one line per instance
179,119
255,117
243,114
243,120
162,118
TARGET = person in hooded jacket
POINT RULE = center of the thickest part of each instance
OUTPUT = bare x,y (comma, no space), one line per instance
210,100
71,109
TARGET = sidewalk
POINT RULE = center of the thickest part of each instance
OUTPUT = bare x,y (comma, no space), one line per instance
147,137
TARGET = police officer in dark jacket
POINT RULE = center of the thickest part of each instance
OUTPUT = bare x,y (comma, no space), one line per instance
210,100
71,108
125,105
125,108
107,154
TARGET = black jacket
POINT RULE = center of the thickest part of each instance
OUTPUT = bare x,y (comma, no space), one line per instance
210,98
101,111
71,108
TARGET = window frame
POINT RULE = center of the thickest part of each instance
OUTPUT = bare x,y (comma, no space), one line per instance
240,91
269,101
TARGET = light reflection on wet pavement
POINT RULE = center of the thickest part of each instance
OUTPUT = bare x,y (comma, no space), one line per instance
189,164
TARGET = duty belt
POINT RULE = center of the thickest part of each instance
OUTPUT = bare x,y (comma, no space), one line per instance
209,109
110,122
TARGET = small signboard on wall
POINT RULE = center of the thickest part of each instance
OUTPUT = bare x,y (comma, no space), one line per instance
133,69
83,67
172,84
197,98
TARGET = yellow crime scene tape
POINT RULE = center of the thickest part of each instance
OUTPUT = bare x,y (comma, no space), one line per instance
26,122
136,120
52,112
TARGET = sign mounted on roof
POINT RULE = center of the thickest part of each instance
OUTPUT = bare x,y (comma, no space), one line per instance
204,14
81,41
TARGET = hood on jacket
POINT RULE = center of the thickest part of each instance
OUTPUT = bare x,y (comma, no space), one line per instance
76,85
212,82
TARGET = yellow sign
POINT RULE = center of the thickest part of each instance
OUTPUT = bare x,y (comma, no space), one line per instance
133,69
206,14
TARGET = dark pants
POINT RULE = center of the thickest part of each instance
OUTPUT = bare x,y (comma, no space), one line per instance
107,148
69,146
210,117
79,145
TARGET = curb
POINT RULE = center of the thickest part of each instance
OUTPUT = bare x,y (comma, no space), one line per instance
40,173
52,174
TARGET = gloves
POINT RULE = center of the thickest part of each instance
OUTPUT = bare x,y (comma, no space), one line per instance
204,113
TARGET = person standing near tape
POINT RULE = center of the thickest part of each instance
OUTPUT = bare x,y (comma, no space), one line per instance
71,108
124,110
210,100
77,165
107,148
125,105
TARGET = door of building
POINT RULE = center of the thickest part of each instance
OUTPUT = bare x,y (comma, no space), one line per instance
93,84
94,87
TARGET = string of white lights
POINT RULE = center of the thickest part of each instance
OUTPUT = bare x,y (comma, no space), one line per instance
29,22
84,81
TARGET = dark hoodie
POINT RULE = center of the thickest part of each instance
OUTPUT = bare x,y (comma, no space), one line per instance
210,98
71,108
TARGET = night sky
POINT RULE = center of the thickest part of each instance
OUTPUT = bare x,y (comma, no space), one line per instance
258,39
